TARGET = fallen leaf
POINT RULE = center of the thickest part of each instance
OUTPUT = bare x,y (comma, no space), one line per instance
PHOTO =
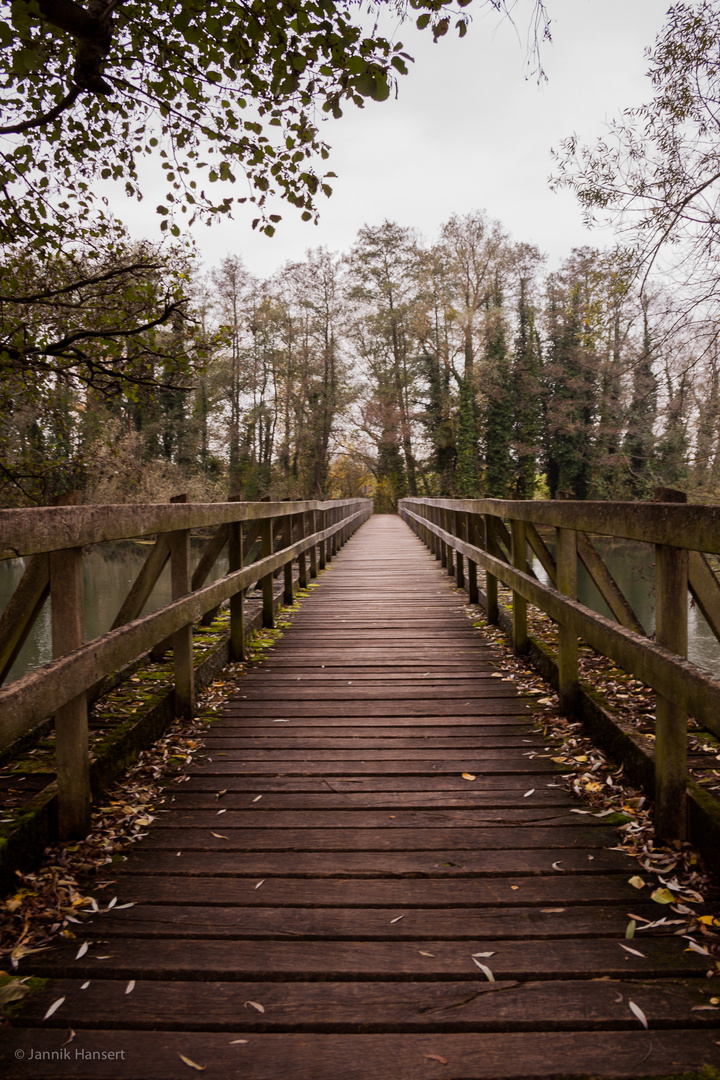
83,949
53,1008
694,947
482,954
630,930
636,882
130,987
256,799
558,867
234,1042
426,953
223,811
633,951
397,919
256,1005
260,883
192,1064
704,1008
638,1012
530,792
436,1057
218,835
85,985
663,896
468,776
552,910
485,970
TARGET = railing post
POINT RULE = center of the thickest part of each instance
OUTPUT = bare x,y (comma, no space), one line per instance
288,597
449,550
491,581
519,558
313,549
671,631
473,538
71,726
440,520
182,640
568,678
322,548
268,609
237,600
302,558
460,532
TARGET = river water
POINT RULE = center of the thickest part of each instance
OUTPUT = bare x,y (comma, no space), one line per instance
110,569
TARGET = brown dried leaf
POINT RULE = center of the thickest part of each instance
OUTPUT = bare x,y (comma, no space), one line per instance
192,1064
436,1057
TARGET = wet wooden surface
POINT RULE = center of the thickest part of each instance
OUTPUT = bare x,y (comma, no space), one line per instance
314,899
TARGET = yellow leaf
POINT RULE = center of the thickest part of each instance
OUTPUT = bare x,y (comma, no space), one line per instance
636,882
663,896
468,776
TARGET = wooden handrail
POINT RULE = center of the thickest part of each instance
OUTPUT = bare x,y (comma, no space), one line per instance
60,687
675,529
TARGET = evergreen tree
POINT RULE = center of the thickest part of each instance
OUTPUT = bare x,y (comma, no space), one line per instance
525,380
499,405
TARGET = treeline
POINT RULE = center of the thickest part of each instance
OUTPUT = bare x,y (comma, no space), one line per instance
454,368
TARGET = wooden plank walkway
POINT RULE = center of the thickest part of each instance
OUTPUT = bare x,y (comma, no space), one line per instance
327,924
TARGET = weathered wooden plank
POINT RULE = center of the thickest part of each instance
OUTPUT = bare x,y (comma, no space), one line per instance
569,958
321,796
447,862
385,839
489,1056
378,1007
337,924
504,703
260,817
508,891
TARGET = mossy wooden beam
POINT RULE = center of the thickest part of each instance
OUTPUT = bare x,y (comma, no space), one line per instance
25,605
29,700
53,528
685,684
681,525
606,584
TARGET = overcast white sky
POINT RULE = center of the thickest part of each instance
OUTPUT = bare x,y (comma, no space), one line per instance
468,131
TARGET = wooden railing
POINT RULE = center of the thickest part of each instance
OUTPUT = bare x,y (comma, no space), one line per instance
498,536
262,538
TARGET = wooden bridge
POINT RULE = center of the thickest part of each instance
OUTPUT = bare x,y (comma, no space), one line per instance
372,870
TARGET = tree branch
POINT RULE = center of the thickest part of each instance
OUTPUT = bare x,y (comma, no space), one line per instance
45,118
98,280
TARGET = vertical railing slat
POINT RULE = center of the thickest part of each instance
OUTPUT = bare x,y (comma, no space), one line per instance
671,631
71,721
568,680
